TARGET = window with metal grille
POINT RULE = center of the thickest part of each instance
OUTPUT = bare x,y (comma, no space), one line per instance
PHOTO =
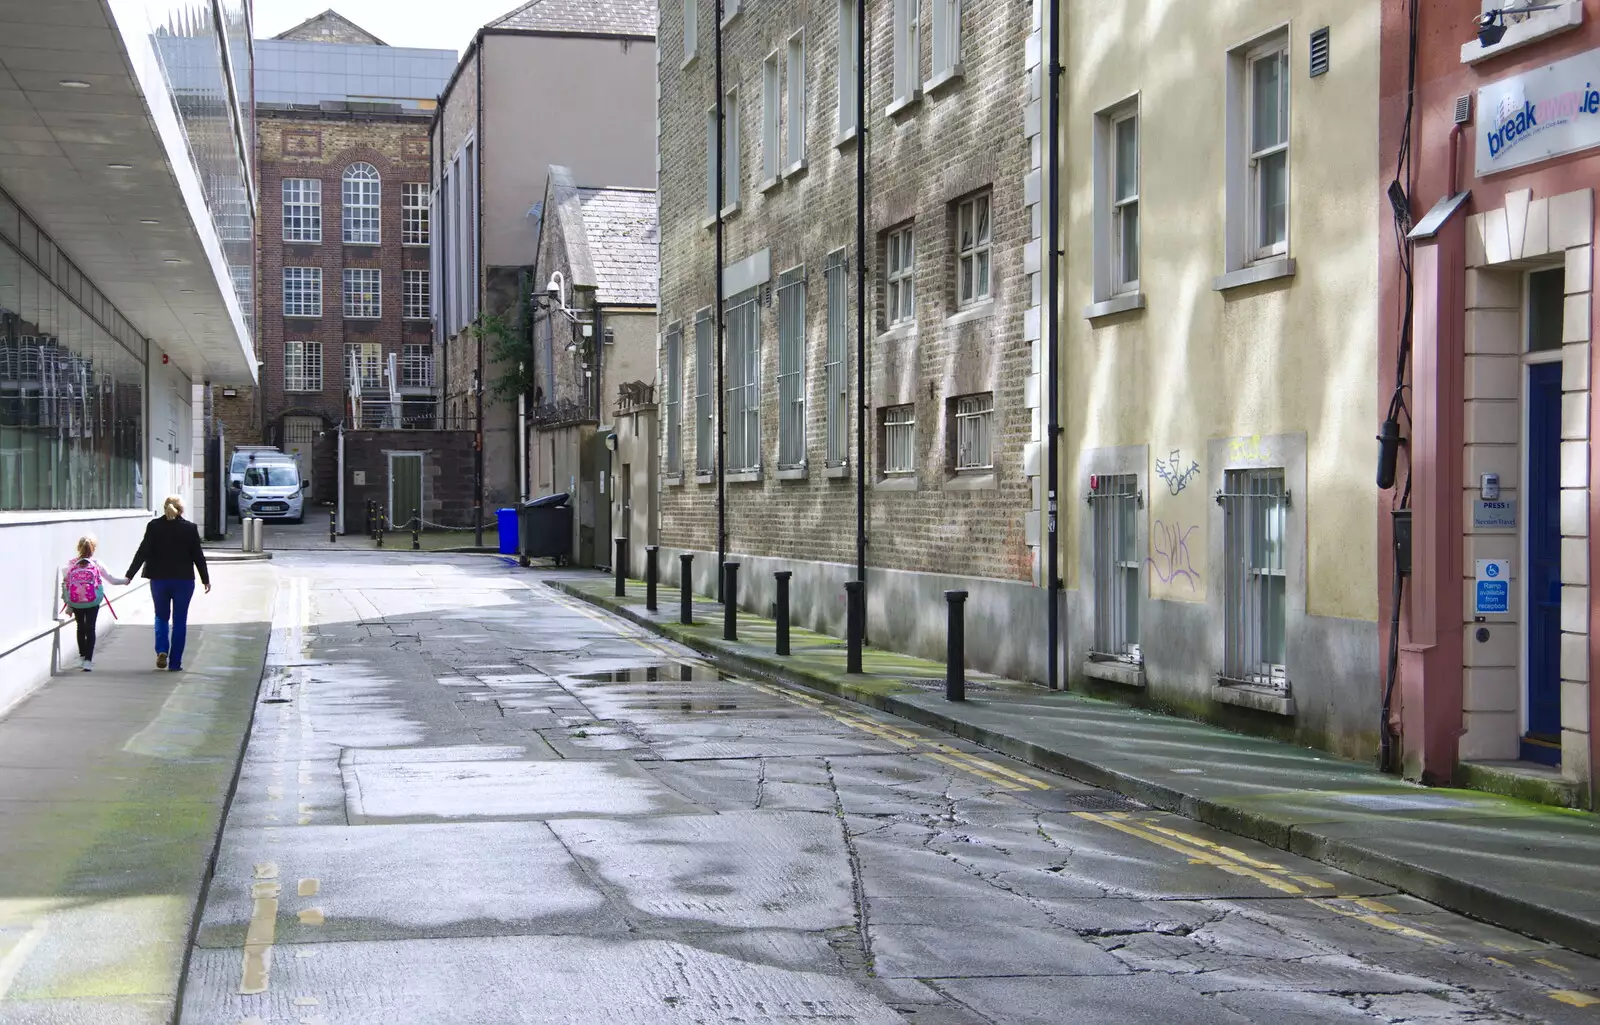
1268,84
1125,202
364,359
974,432
674,376
899,440
838,425
302,210
1255,514
415,301
792,368
363,292
901,259
302,291
302,366
416,366
972,250
414,214
743,327
361,199
705,413
1114,503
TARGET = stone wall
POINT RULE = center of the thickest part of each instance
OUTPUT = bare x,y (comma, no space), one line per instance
446,474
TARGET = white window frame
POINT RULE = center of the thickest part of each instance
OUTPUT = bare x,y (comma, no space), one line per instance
416,365
302,366
1113,291
907,50
713,144
972,432
1123,207
742,326
356,292
975,252
791,303
848,63
368,358
308,206
1276,50
900,277
415,294
730,142
361,205
415,227
705,410
946,42
302,291
771,120
1246,262
899,452
836,368
794,146
691,30
672,353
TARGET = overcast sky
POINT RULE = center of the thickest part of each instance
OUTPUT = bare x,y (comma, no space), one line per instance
427,23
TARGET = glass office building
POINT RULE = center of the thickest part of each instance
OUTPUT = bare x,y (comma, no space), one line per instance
290,71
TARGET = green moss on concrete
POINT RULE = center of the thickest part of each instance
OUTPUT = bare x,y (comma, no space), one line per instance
1538,791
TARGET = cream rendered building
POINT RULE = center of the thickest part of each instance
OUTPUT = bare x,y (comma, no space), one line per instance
1221,220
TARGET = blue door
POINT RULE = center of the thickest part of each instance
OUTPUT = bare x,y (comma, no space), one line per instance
1542,505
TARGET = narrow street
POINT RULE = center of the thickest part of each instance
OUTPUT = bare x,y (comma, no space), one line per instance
467,798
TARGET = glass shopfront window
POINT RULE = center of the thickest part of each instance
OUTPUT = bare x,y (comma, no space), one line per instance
71,383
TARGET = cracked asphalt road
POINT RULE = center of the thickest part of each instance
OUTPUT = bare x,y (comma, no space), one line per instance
469,799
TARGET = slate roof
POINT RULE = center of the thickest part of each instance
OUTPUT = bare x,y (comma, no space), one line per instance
621,229
330,27
587,17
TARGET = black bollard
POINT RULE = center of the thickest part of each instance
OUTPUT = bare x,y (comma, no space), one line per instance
650,554
853,618
782,578
686,588
955,645
416,530
730,601
621,566
379,520
372,526
333,526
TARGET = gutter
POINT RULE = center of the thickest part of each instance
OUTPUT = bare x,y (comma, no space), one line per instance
1052,361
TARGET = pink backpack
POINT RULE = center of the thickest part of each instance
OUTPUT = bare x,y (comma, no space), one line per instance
81,588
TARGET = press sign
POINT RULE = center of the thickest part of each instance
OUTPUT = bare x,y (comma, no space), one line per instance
1493,589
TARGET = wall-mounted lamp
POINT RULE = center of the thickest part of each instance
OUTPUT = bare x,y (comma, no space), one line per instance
1492,24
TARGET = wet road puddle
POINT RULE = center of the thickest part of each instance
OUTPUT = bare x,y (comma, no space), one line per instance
420,791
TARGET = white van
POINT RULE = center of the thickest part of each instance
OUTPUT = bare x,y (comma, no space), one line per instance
269,486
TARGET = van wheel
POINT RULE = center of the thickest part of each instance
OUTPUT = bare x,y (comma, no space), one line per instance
298,519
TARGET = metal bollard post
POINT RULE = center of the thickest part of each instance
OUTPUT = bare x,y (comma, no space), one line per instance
416,530
686,588
955,643
730,601
380,519
852,626
333,526
782,578
650,553
620,564
372,531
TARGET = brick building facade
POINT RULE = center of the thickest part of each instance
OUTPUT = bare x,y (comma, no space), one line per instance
344,274
951,378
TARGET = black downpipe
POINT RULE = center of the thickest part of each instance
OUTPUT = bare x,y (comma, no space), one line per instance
718,325
861,304
1053,347
477,291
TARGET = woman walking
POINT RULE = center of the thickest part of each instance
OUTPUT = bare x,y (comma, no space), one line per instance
83,588
170,554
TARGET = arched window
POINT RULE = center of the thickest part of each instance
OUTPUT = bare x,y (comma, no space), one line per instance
362,191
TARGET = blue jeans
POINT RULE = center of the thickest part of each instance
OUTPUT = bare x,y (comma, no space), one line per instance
172,603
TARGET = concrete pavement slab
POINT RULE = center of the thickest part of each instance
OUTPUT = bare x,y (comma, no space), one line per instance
1143,1000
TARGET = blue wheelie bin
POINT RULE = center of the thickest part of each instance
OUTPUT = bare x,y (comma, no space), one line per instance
508,530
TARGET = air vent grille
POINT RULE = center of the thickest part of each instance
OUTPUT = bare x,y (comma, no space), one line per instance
1463,109
1319,52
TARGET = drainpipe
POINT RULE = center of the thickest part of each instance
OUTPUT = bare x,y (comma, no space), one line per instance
861,303
1053,347
477,293
717,323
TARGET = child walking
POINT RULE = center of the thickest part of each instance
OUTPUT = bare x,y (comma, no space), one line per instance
83,589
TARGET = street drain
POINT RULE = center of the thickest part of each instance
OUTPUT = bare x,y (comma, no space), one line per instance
1097,800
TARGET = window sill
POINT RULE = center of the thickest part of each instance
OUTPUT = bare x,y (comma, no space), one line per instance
977,311
416,320
302,316
770,184
1128,674
795,170
688,60
793,472
672,480
708,222
731,210
1537,25
743,476
903,104
836,472
727,18
895,332
972,482
844,138
950,75
1273,269
899,482
373,244
1262,699
705,478
1116,304
415,245
302,242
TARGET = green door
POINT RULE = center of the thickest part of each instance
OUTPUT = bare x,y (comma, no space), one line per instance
405,488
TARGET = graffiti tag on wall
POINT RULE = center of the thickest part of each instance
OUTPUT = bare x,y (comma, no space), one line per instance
1175,473
1169,559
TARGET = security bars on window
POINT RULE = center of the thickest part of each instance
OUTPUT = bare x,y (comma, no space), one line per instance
743,326
972,250
674,375
1255,507
363,292
901,287
302,366
1114,510
414,214
974,431
302,210
899,440
1125,202
302,291
416,366
362,194
705,454
1269,151
836,383
414,299
792,369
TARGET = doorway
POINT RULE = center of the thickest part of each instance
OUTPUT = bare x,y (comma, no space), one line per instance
1541,736
299,440
405,488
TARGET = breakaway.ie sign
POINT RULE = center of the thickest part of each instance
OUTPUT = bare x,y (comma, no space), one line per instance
1540,114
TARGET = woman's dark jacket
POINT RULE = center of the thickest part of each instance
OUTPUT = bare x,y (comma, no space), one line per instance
170,551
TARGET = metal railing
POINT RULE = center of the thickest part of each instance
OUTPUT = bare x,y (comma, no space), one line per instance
1114,503
1255,506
